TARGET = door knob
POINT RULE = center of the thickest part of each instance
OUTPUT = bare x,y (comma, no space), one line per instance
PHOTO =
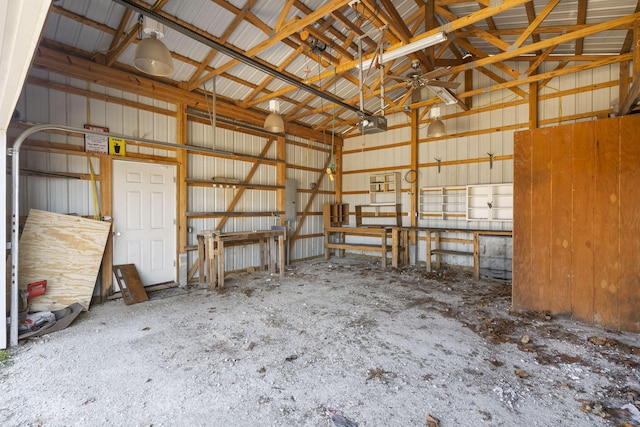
118,233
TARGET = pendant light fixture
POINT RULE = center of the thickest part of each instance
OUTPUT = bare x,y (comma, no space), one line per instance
274,122
152,56
436,127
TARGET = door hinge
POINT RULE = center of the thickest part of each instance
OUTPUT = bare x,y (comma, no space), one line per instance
174,221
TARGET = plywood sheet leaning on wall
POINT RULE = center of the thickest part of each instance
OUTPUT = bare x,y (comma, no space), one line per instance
66,251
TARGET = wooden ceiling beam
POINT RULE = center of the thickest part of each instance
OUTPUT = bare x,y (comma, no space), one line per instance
449,28
533,68
119,44
548,75
632,97
396,22
354,27
493,76
223,39
283,15
327,23
549,29
535,24
473,29
582,19
504,56
628,40
531,16
269,79
481,54
287,30
81,19
118,36
329,42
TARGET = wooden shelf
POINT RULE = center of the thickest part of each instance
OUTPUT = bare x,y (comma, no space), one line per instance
393,211
384,189
490,202
443,202
335,215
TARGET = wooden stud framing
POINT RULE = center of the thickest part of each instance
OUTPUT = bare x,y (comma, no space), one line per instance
106,194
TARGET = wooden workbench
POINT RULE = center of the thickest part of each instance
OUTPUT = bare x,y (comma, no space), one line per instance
211,246
434,236
396,234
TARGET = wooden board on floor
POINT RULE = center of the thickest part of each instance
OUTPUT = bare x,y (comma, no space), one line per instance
66,251
130,284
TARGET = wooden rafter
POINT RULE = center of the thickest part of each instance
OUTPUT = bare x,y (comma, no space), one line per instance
287,30
628,40
119,44
283,15
586,31
632,97
536,23
531,16
113,54
338,26
225,36
533,68
582,18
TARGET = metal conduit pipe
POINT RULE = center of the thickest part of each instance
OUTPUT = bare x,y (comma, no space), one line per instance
147,11
15,205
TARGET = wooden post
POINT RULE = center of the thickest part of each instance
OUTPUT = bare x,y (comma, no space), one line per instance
395,246
383,237
181,186
533,105
468,85
326,243
106,203
200,262
476,256
282,176
437,244
415,187
623,89
428,247
338,175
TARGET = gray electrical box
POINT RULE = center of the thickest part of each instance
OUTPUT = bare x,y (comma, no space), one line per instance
290,197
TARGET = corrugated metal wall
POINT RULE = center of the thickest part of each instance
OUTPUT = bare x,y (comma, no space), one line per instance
305,160
472,137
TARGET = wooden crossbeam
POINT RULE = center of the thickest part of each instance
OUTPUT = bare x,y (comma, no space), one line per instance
632,97
312,197
241,190
535,24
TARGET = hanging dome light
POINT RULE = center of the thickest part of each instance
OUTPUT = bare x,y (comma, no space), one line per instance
273,122
436,127
152,56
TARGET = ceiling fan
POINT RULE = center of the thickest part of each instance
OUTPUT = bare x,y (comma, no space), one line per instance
417,79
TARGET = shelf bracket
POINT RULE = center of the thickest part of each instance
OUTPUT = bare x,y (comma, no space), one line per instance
439,163
490,160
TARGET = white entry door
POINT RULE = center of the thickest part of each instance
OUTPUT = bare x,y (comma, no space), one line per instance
144,207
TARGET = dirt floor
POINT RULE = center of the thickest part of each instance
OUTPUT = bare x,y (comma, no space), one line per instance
331,342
